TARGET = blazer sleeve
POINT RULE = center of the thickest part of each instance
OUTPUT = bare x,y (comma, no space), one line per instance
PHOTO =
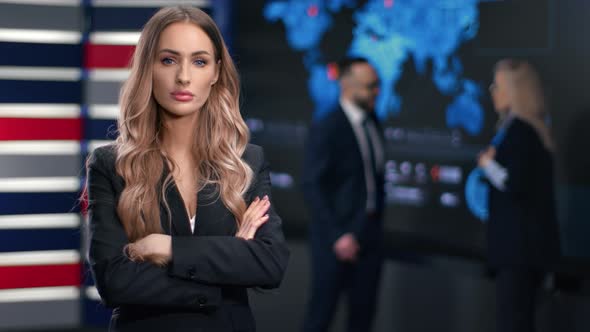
119,280
320,162
229,260
519,159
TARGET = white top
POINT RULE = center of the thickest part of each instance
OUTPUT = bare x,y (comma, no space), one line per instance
356,116
192,221
497,174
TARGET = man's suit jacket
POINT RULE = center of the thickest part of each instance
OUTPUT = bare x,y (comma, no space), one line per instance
522,229
204,288
334,183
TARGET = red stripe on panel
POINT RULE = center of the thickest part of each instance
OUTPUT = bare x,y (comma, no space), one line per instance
40,276
107,56
40,129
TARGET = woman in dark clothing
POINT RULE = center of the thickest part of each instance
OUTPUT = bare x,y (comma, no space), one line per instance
523,238
181,222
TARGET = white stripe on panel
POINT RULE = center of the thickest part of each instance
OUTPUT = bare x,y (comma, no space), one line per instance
40,73
69,3
40,184
92,293
39,294
104,112
114,38
40,221
47,257
108,75
149,3
92,145
40,36
58,147
40,111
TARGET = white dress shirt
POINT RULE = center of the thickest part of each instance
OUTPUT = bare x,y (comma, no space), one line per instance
356,116
192,222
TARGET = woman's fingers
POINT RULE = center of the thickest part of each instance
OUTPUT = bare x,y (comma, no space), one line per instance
250,208
247,231
261,208
256,209
254,217
253,227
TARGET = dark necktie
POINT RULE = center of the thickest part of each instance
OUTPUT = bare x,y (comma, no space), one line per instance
370,145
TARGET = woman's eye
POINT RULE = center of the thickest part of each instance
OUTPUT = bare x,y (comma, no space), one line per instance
200,63
167,61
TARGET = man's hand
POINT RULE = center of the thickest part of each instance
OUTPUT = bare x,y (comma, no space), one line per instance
346,248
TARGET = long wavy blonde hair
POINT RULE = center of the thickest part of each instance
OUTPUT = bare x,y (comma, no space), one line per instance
525,92
220,136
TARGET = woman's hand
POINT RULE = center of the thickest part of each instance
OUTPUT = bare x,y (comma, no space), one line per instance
155,248
486,156
254,217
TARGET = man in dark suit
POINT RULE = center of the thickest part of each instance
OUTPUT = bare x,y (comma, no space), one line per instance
343,187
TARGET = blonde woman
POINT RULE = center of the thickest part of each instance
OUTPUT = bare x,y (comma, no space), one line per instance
523,239
181,222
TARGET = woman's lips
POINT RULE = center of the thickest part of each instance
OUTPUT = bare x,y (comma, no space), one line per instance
182,96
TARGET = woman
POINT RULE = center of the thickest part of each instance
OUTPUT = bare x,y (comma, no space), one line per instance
523,240
180,215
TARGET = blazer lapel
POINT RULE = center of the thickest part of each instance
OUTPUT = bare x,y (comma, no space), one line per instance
180,223
213,218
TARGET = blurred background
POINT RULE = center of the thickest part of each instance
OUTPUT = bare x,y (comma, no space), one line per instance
62,63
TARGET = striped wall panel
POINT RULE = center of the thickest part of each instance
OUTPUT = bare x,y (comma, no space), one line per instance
40,133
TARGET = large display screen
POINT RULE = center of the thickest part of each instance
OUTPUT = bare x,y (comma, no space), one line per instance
435,62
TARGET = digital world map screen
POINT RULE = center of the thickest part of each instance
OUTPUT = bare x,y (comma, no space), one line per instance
434,69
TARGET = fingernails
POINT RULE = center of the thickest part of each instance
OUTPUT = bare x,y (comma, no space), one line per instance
266,197
256,199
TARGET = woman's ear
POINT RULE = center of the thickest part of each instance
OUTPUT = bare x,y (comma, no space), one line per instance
214,80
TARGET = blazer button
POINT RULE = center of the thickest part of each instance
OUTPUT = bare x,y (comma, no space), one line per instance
202,300
192,273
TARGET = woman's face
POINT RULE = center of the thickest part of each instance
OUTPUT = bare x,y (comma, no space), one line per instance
499,92
184,69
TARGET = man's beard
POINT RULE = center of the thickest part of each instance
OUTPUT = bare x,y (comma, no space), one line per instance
365,105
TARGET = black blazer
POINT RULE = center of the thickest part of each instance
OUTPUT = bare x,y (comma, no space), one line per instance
204,288
522,228
334,183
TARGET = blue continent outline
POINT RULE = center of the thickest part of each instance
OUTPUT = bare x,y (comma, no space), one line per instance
387,33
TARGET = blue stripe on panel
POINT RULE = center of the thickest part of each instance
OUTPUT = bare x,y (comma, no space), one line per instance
100,129
123,18
17,91
95,314
39,239
32,203
40,55
120,18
